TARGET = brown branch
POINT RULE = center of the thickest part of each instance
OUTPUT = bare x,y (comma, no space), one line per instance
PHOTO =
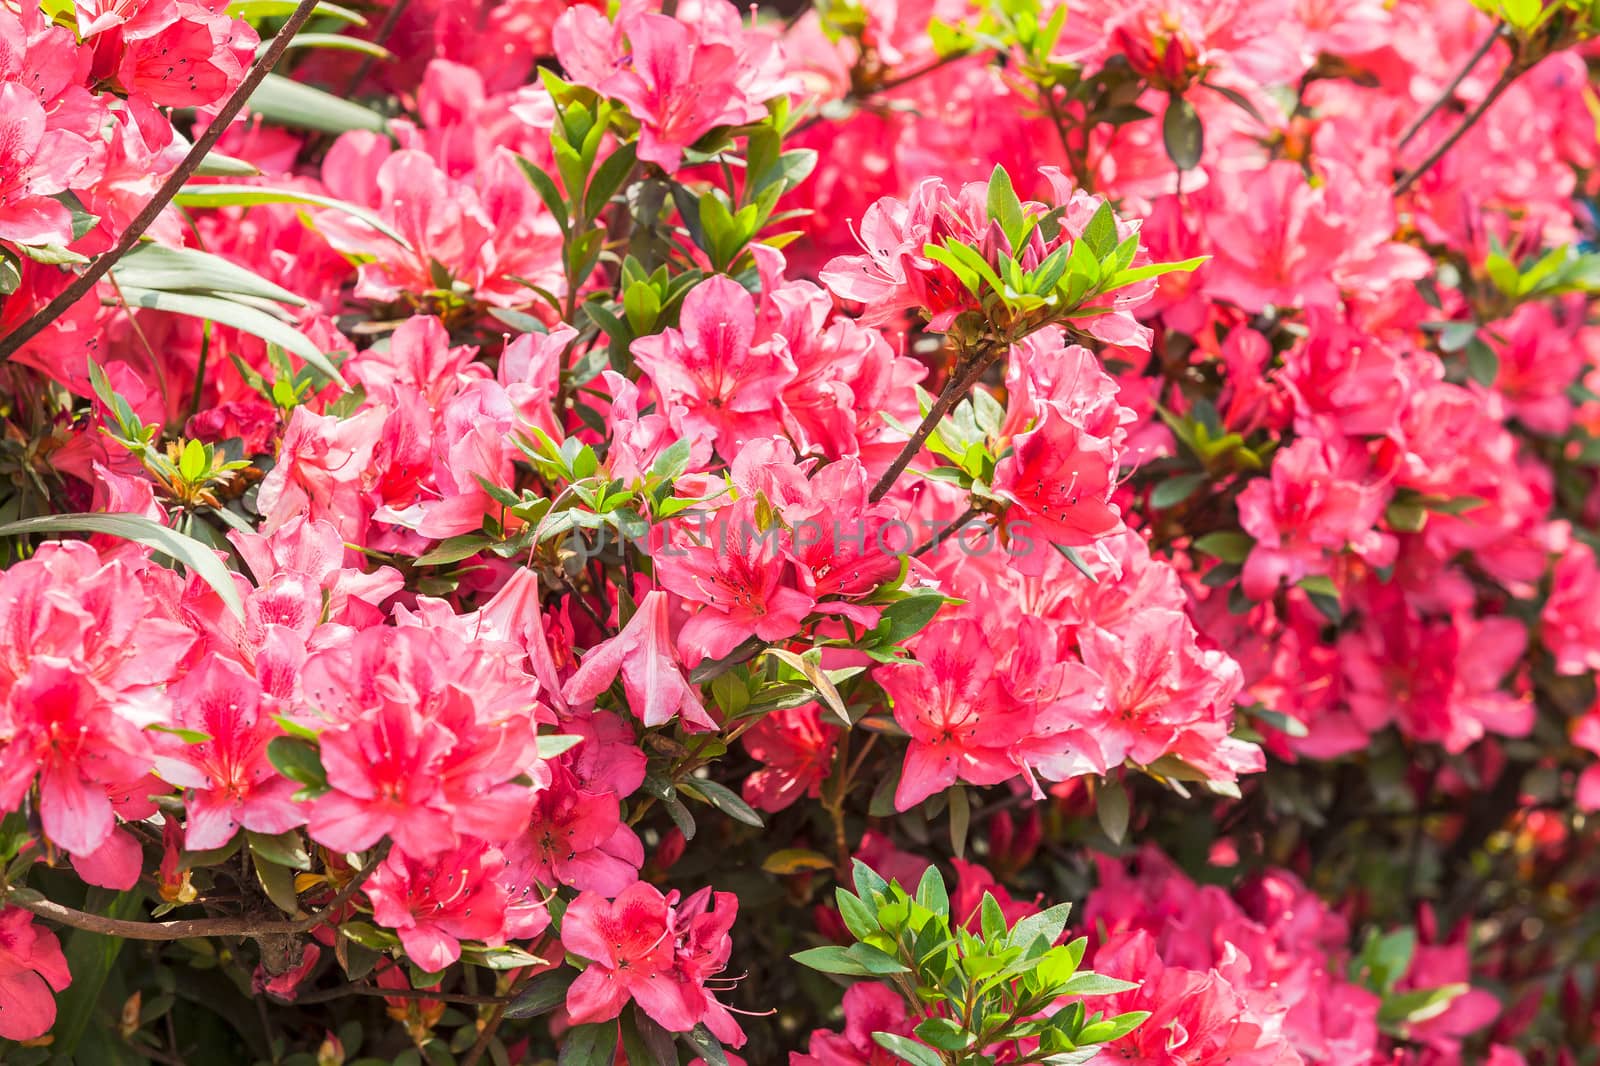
1449,91
202,146
195,927
1507,76
967,372
948,531
399,993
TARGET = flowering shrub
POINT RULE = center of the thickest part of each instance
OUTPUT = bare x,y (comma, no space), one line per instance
987,531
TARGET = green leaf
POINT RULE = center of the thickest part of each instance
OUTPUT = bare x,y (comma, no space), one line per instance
908,1050
1406,515
338,42
867,880
90,959
10,272
1101,233
456,549
1227,545
725,800
298,760
943,1033
831,959
285,849
286,102
1420,1005
1089,983
706,1045
551,745
859,917
157,267
904,619
1049,924
251,10
278,883
645,1042
1108,1029
1005,208
931,892
217,165
1111,809
249,195
1124,278
541,995
1483,365
607,181
240,316
141,530
590,1045
546,187
1182,133
1174,490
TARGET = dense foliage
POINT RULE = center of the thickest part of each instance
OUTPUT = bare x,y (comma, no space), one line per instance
945,532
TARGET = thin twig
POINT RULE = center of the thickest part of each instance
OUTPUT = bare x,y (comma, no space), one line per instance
950,530
195,927
889,86
1449,91
966,375
381,38
202,146
330,994
1507,76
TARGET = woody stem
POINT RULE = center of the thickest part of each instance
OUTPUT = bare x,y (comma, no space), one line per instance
967,373
1449,91
1507,76
197,927
147,215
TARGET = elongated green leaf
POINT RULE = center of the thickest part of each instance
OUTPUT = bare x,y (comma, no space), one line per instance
90,958
268,9
338,42
543,994
1183,133
246,195
217,165
285,102
252,320
908,1050
186,550
157,267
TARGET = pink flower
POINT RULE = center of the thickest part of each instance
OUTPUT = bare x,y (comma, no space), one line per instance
31,965
630,947
655,951
713,365
644,654
82,751
737,571
35,161
949,701
434,904
1165,695
679,79
1571,625
1059,478
425,739
577,838
795,749
1315,504
869,1007
233,782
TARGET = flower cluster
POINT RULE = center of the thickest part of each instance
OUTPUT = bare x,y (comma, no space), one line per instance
576,519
